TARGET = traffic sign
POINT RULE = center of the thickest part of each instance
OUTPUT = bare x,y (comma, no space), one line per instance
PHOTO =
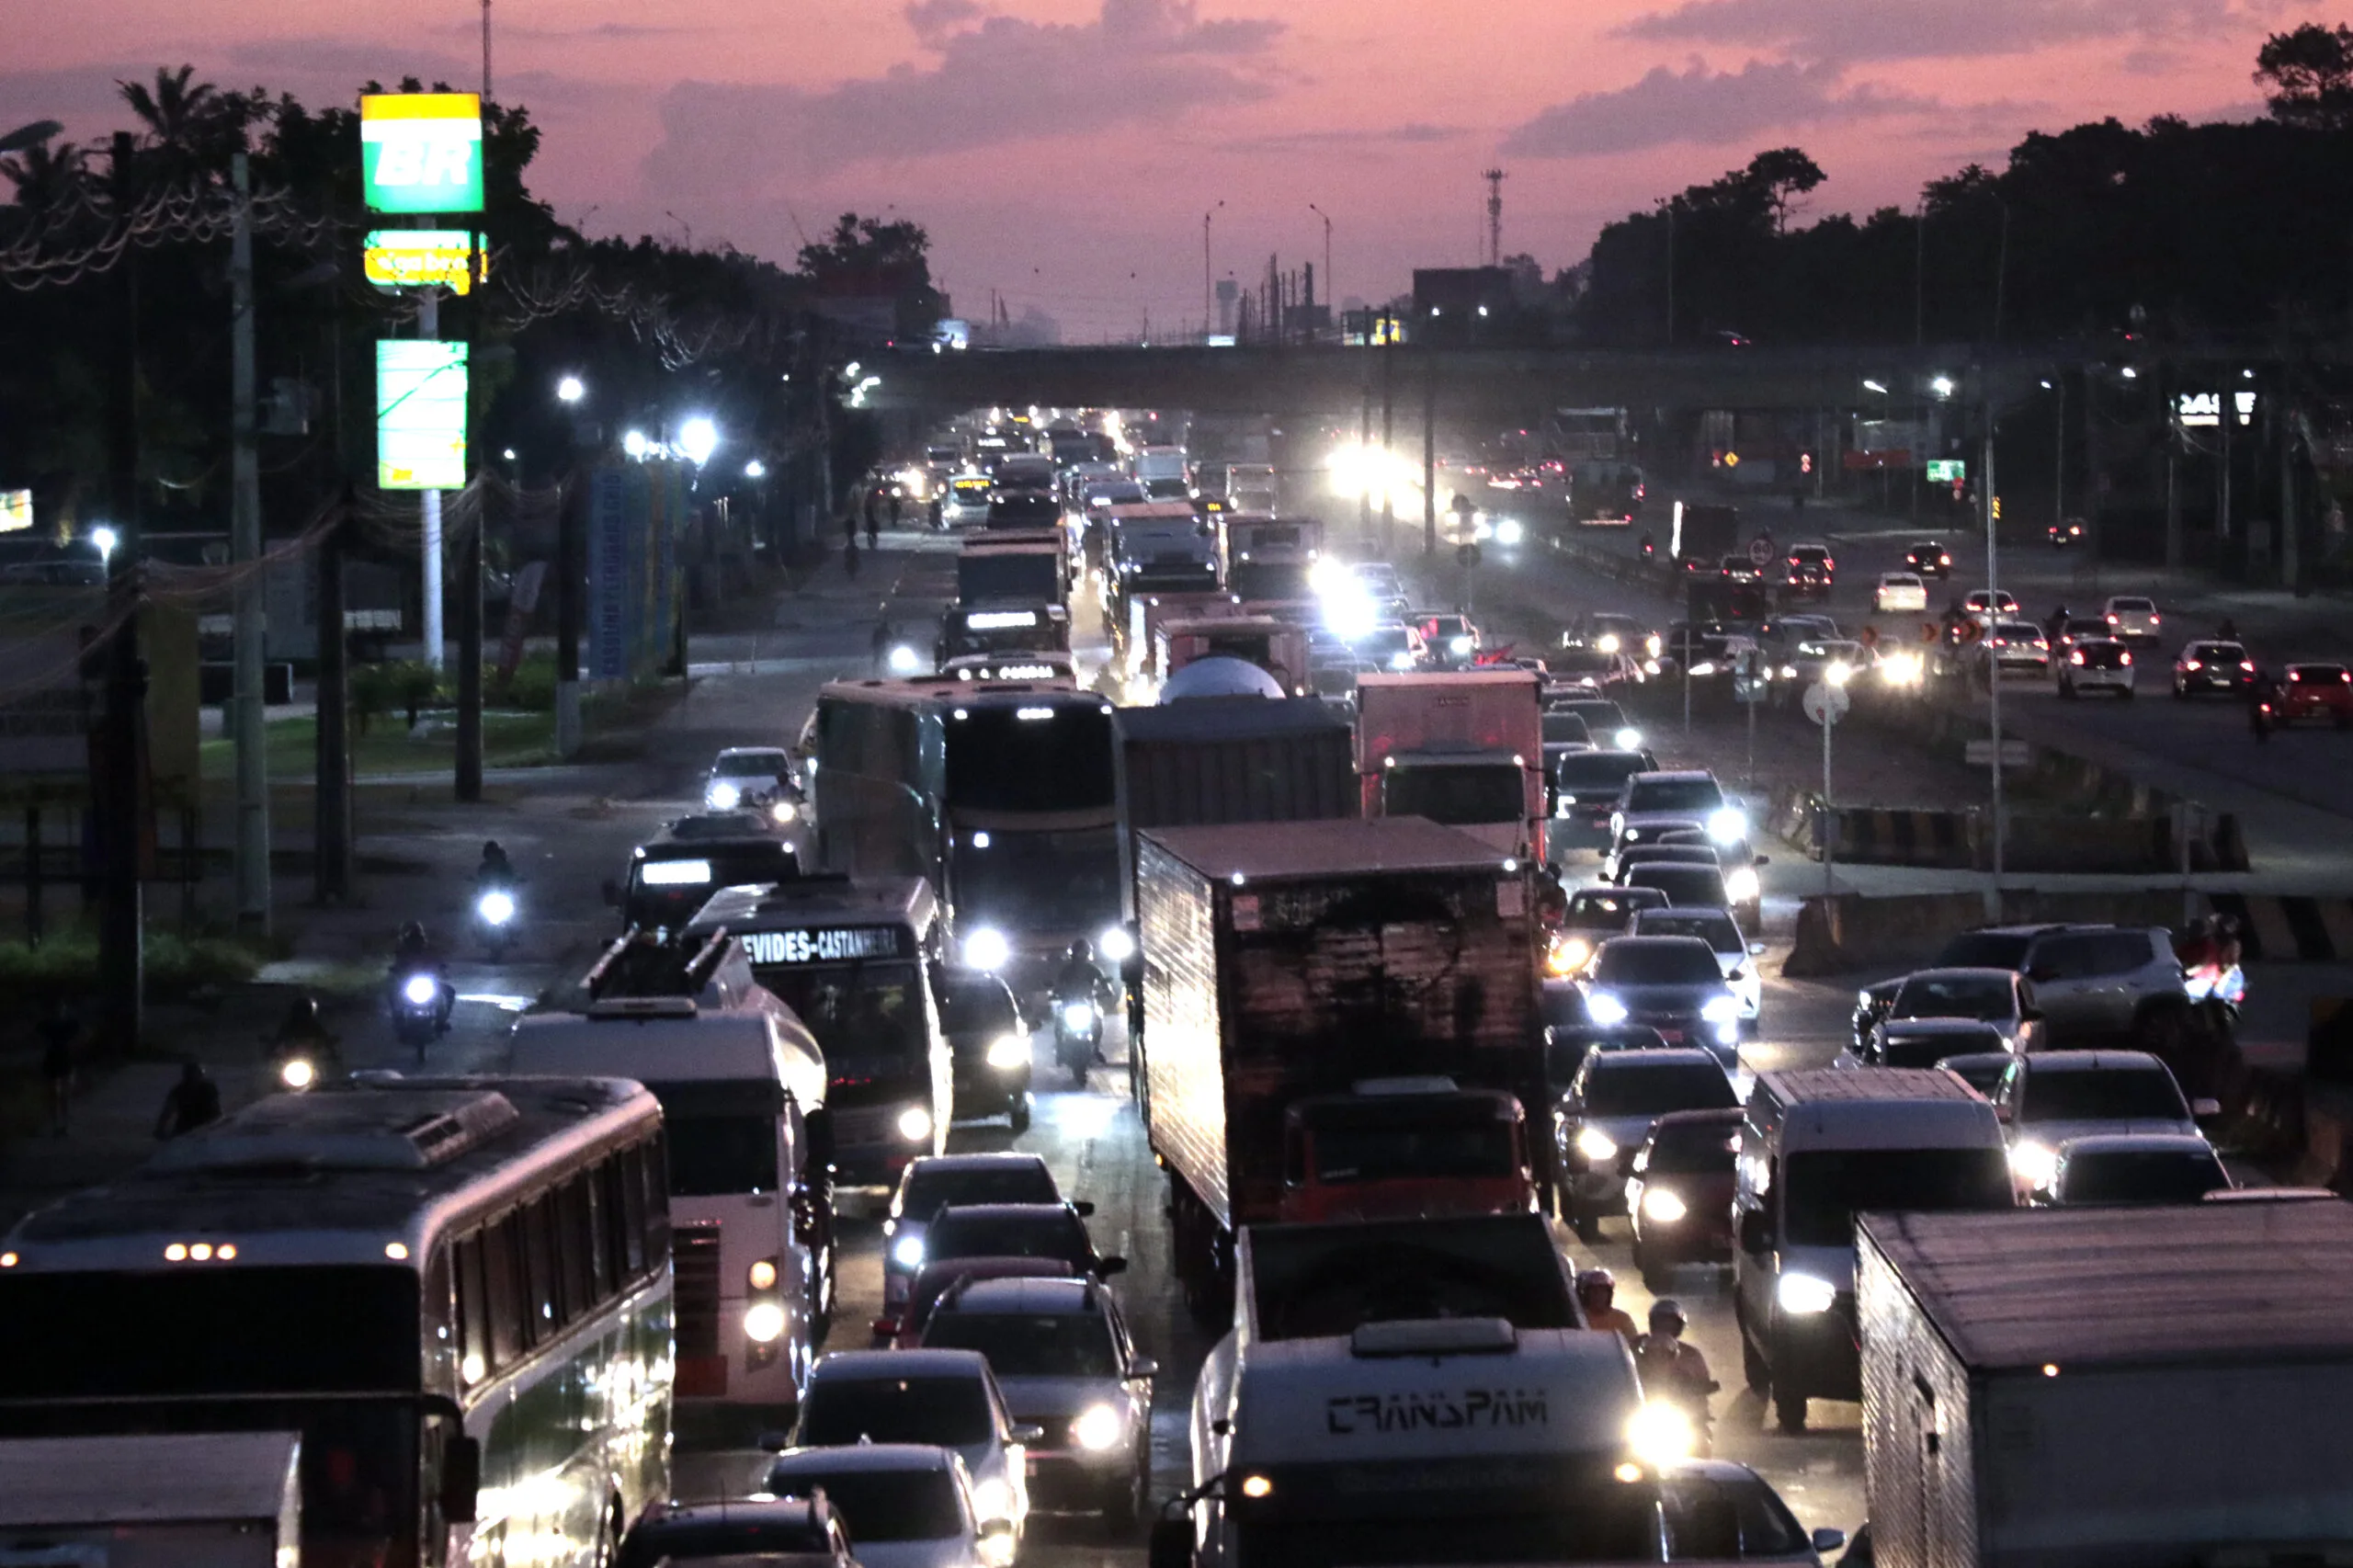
1760,551
1822,698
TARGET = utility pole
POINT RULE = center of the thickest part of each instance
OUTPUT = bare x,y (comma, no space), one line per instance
1209,281
570,506
1388,428
1987,502
245,555
1429,448
468,780
331,813
429,327
1495,179
1670,274
1331,295
119,760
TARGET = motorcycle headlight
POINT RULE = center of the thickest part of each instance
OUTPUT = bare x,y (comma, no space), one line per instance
2035,1163
1009,1053
1661,1204
1116,945
1743,885
1098,1429
1596,1145
784,810
1606,1009
297,1073
723,796
1719,1009
908,1252
421,990
496,907
763,1323
986,948
1805,1294
1078,1014
1727,824
915,1124
1660,1433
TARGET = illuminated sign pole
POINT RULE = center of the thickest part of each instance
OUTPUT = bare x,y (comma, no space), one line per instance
421,154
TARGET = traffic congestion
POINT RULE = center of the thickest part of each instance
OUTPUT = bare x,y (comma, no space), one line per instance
1212,1048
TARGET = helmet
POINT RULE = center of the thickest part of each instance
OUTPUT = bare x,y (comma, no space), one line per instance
490,851
1081,951
1666,1310
413,934
1595,1279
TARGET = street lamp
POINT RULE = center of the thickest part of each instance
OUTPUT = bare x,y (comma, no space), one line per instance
571,388
697,439
1870,386
1941,386
756,469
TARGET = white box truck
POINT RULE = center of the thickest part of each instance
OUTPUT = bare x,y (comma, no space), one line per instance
2100,1388
196,1500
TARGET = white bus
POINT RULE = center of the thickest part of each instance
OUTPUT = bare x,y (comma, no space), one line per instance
457,1290
748,1242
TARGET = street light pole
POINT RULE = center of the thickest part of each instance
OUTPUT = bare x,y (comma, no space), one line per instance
1985,499
1209,283
1331,295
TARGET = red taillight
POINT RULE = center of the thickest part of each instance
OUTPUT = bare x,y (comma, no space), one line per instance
2247,666
2192,664
2111,620
1828,565
2345,675
2295,674
2077,657
2128,660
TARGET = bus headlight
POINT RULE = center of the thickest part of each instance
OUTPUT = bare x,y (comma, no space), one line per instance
915,1124
297,1073
1659,1434
987,948
761,1276
1743,885
763,1323
2035,1163
908,1252
1097,1429
1727,824
1661,1205
723,796
1805,1294
1009,1053
1596,1145
1606,1009
1116,945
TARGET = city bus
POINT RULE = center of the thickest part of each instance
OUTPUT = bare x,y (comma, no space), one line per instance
852,958
457,1290
1002,797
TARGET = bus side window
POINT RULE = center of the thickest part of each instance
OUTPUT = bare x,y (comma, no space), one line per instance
597,1201
539,1302
475,1354
656,1166
509,1335
573,1246
628,1209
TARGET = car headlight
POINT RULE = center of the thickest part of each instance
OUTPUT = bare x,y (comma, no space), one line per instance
421,989
761,1276
1607,643
992,1499
1660,1433
915,1124
2035,1163
763,1323
1628,739
496,907
1402,660
1617,824
1078,1014
1567,955
297,1073
1727,824
1805,1294
1009,1053
722,795
908,1252
1719,1009
1661,1204
1596,1145
1743,885
1098,1429
986,948
1116,945
1509,531
784,810
1606,1009
1459,646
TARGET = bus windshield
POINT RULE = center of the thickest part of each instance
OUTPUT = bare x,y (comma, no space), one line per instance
857,1011
723,1136
1039,879
1000,761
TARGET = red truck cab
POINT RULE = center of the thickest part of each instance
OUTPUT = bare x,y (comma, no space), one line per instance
1399,1147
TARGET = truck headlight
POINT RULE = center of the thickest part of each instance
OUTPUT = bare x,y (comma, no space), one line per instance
915,1124
987,948
722,795
1596,1145
1116,945
1805,1294
1727,824
1661,1204
1721,1010
1606,1009
1743,886
761,1276
1098,1429
1009,1053
763,1323
2035,1163
1660,1433
908,1252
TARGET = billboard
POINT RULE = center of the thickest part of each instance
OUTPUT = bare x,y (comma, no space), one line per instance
15,511
421,152
420,414
411,258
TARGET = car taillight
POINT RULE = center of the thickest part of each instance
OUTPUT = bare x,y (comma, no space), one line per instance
2128,660
2155,617
2111,620
2077,657
2192,664
2246,665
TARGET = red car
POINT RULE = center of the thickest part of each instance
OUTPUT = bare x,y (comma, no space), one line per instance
1679,1193
2317,691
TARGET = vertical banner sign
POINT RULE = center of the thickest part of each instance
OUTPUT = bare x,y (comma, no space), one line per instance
420,414
608,576
421,152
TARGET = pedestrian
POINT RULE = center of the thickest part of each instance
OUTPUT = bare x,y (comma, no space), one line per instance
873,528
894,508
1674,1372
60,1032
849,560
849,526
192,1102
881,643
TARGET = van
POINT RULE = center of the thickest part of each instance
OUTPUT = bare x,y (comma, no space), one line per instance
751,1225
1817,1148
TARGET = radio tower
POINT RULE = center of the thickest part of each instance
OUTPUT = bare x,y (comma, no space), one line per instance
1495,179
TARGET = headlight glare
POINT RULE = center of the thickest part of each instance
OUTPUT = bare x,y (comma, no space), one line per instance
1727,824
421,990
1596,1145
761,1276
723,795
1116,945
1629,738
1744,885
1719,1009
986,948
992,1499
1605,1008
763,1323
1009,1053
496,907
915,1124
1097,1429
2035,1163
784,810
296,1073
1661,1204
1805,1294
1660,1433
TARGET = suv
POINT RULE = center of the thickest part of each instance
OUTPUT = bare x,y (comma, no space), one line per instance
2090,981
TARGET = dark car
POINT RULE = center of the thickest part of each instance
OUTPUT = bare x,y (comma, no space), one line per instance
1585,787
1705,886
673,874
2134,1168
1679,1191
1720,1512
2204,668
1674,984
1595,914
990,1043
1927,557
783,1530
1018,1230
1608,1114
1926,1042
942,1181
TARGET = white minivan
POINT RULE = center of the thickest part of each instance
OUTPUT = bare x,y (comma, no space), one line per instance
746,1180
1819,1147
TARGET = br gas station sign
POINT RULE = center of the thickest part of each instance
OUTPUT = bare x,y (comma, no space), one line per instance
421,151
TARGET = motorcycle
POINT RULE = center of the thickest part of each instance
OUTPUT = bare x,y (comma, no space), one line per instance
495,916
419,1015
1079,1034
299,1064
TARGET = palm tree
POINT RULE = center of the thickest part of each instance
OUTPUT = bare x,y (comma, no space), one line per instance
45,176
184,121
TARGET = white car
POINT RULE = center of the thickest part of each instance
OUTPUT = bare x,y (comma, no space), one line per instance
2095,664
2048,1099
2133,618
905,1505
1898,593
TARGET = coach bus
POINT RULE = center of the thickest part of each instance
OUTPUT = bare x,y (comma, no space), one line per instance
1002,797
457,1290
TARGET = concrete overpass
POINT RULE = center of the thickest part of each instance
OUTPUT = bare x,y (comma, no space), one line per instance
1496,384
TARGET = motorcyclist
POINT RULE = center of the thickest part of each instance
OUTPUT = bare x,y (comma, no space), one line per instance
1081,979
495,871
1597,1294
1649,545
301,1033
2263,704
2056,624
1673,1370
191,1103
414,953
2228,630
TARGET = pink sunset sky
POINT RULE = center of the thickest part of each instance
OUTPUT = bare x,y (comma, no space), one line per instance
1063,152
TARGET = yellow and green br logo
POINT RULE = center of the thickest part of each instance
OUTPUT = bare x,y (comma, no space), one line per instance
421,151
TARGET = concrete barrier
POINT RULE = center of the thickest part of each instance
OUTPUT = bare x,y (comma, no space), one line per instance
2275,929
1842,933
1960,840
